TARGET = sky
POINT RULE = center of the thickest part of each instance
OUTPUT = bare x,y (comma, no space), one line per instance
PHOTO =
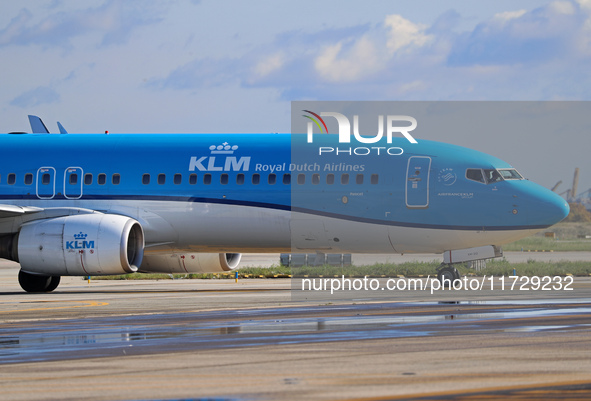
234,66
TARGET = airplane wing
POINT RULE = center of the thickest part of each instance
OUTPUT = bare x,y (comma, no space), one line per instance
12,217
13,211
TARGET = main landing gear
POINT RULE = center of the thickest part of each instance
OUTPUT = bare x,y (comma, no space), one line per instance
37,282
447,274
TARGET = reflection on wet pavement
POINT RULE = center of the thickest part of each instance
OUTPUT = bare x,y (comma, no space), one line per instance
85,338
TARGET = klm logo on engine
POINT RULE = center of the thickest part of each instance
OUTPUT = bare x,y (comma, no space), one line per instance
220,163
80,242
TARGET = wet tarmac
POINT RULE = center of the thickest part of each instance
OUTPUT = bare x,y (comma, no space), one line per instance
136,335
249,341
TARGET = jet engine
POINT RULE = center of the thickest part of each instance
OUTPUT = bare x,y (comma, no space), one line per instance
80,245
191,263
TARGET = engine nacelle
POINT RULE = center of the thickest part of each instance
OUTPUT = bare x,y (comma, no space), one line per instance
80,245
191,263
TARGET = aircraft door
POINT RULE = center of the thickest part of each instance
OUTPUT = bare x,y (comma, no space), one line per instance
73,183
417,182
46,183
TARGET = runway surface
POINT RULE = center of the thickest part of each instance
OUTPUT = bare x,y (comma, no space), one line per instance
221,340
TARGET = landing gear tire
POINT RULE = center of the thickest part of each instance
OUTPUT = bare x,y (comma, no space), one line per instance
447,276
37,282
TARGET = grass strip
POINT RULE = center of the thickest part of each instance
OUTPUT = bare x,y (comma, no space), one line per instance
410,269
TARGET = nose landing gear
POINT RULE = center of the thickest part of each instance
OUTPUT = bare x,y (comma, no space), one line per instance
447,274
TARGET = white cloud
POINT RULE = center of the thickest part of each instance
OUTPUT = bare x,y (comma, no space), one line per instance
403,33
584,41
509,15
334,64
548,33
562,7
36,97
414,86
113,21
269,64
541,53
15,28
512,54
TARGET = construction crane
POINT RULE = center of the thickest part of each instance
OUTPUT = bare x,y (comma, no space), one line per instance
556,186
573,191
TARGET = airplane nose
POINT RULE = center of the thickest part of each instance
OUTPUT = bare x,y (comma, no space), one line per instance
544,207
558,208
564,209
553,208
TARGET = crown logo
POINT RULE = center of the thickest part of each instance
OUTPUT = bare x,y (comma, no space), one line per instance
223,149
80,236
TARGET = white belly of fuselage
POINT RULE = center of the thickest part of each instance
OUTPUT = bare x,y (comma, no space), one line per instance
173,226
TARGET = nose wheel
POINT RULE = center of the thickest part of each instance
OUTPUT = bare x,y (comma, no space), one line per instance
447,274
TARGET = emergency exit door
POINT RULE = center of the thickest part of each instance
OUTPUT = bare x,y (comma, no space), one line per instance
46,183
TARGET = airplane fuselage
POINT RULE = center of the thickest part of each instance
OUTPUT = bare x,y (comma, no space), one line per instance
275,192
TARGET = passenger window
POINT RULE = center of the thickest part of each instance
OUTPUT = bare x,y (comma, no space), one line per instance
224,179
146,179
177,179
272,179
161,179
207,179
287,179
12,178
240,179
102,179
359,179
475,174
374,179
345,179
315,179
330,179
116,179
28,179
301,179
193,179
256,179
88,179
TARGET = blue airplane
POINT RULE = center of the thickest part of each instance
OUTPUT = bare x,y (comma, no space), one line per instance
103,204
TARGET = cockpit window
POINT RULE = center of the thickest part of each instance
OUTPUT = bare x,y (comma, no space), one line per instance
475,174
510,174
492,176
